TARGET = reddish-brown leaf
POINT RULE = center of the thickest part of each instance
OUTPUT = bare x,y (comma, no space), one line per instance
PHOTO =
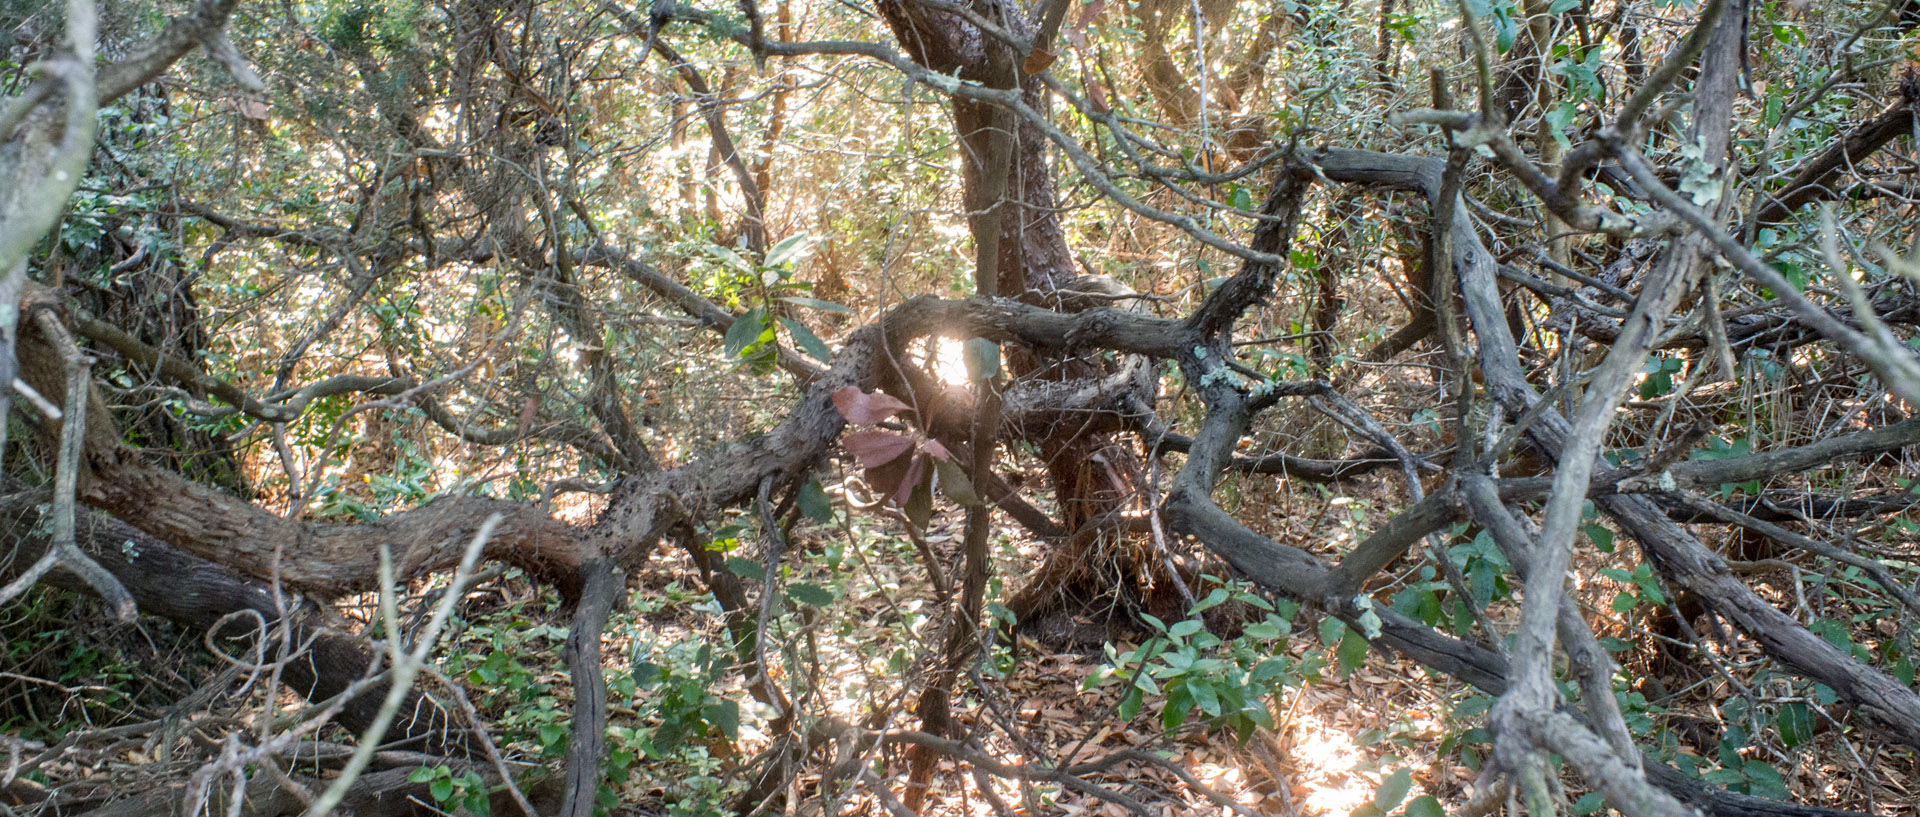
1096,96
887,477
935,450
916,474
1038,61
529,411
1077,33
1089,12
861,408
874,448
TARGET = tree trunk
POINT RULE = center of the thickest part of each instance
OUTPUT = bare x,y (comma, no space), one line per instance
1090,472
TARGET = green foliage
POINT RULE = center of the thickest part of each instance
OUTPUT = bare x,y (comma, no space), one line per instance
1719,448
1795,724
1642,588
1486,571
1502,16
1588,803
1392,792
679,719
467,790
1748,775
66,668
880,199
1600,536
1660,371
362,26
1188,669
1421,600
753,338
680,679
43,637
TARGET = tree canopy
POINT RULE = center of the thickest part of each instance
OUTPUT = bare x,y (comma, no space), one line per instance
959,406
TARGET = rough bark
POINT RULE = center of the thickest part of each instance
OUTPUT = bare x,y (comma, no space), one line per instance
198,593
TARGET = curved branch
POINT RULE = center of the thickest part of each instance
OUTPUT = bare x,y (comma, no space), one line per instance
207,19
321,558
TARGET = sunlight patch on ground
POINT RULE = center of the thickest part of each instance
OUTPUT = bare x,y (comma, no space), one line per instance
1327,760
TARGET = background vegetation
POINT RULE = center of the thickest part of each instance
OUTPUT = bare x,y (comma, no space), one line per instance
915,406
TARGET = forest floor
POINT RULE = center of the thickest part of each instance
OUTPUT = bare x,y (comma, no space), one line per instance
1339,737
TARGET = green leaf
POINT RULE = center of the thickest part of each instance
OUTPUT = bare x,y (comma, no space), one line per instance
1764,780
955,484
1430,612
1393,789
1353,652
726,715
729,257
1562,6
441,789
1205,695
1242,200
1094,679
1587,804
811,594
982,358
1833,631
1179,703
1559,119
1213,599
1650,591
1368,620
1795,722
1268,670
816,303
1601,537
919,505
1331,629
1262,630
1180,660
1724,777
745,568
806,339
1483,580
424,773
1426,806
745,330
789,249
814,502
1462,617
1182,629
1257,714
